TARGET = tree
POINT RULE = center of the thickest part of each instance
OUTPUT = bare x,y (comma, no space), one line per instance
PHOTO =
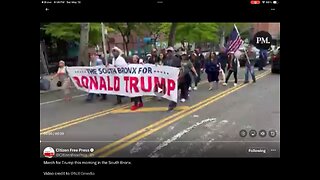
71,32
155,30
172,34
190,32
125,30
197,32
79,32
224,28
84,38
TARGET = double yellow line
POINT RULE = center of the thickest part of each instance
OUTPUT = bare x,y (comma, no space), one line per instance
84,118
88,117
136,136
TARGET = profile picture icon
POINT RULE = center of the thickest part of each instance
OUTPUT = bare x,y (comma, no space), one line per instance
48,152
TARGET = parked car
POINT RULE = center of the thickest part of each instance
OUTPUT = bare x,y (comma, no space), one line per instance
275,62
272,52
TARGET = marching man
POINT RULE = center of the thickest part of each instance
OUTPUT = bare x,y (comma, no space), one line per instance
118,60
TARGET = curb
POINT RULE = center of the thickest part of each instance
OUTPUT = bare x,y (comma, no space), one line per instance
55,90
44,92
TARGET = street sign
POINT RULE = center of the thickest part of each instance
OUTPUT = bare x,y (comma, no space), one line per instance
146,40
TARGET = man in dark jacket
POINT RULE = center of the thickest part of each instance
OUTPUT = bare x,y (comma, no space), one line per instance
173,61
222,59
198,64
263,57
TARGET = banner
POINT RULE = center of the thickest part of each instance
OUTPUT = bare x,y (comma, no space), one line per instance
131,80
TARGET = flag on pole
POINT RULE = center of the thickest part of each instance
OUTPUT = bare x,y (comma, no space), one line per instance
234,41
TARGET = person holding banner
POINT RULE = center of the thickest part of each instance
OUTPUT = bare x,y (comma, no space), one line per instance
173,61
118,60
160,62
95,61
100,62
64,79
137,101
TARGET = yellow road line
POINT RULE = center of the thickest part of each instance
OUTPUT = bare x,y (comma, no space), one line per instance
91,116
148,109
134,137
84,118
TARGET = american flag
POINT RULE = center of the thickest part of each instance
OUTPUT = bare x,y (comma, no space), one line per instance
235,41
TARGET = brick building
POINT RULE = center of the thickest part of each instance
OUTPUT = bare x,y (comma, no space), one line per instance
136,42
272,28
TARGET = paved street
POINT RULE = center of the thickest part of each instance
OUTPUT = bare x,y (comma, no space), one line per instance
207,125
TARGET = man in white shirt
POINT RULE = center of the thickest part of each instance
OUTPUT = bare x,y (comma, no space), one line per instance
118,60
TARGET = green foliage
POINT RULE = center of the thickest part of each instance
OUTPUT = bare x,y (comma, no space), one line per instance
124,29
64,31
243,28
71,32
156,29
197,32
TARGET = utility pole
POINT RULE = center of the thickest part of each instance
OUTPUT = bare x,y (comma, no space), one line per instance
84,41
104,32
43,62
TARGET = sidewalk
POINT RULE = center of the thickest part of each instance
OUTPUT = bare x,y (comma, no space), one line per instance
53,84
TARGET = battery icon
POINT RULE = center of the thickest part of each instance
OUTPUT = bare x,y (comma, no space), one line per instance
254,2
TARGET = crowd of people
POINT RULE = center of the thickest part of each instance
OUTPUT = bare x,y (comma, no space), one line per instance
191,64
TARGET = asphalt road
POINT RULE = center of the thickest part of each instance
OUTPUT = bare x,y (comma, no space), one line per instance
207,125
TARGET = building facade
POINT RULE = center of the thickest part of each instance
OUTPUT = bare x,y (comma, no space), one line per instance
272,28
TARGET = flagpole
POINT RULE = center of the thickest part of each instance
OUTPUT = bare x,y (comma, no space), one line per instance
104,42
245,52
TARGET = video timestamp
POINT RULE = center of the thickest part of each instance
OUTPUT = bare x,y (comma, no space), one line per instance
55,133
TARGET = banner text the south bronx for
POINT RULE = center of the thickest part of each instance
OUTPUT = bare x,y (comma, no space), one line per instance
132,80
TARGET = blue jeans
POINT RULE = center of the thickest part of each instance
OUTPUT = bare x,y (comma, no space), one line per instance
249,68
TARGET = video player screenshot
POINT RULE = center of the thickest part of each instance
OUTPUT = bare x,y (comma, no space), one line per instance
157,81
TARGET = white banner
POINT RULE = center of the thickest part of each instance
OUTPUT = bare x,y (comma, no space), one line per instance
131,81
